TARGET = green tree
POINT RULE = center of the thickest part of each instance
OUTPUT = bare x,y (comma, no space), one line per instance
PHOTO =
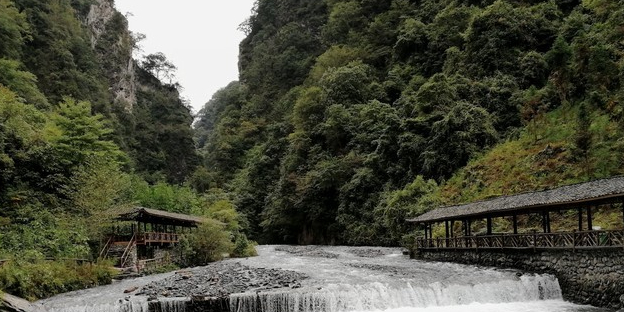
396,206
158,64
558,58
345,17
21,128
583,138
76,134
465,131
207,244
22,82
14,30
348,84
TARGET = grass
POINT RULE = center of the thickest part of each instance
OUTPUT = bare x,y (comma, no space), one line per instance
42,279
544,158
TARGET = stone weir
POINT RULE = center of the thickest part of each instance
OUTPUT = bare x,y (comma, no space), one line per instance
593,276
214,304
210,288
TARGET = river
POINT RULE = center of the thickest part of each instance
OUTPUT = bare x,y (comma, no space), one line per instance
354,279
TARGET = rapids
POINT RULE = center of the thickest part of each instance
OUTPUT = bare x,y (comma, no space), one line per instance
353,279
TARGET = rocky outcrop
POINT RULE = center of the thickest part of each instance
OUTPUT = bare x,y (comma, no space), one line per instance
102,11
220,280
113,44
9,303
594,277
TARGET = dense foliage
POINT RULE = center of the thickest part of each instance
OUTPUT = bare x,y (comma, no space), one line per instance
351,115
86,131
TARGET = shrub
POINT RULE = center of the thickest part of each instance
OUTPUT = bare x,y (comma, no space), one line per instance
207,244
42,279
243,247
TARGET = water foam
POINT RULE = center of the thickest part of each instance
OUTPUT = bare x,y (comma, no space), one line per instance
122,306
379,296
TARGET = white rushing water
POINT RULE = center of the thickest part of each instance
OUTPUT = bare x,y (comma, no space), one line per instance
355,279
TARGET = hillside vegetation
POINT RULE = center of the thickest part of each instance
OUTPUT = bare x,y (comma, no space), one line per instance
351,115
86,132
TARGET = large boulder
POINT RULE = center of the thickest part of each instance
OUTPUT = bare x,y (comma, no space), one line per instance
9,303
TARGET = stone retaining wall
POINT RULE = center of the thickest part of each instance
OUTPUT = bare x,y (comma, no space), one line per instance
594,277
221,304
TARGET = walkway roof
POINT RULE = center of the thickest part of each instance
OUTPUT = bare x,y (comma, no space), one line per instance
575,195
147,215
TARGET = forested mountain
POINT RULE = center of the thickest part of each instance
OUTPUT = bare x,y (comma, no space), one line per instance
351,115
85,132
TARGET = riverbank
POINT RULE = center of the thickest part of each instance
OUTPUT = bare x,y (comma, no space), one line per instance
591,277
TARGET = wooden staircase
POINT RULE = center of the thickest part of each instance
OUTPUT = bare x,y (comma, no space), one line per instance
119,251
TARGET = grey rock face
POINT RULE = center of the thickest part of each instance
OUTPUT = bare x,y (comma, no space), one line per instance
9,303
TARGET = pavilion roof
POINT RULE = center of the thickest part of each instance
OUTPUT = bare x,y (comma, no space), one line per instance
587,193
148,215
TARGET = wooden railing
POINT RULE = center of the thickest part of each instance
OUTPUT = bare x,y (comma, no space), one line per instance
155,237
106,248
569,240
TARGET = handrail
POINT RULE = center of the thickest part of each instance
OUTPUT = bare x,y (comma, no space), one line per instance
571,240
158,237
124,256
106,247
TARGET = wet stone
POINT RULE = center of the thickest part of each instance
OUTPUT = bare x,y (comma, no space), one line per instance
222,279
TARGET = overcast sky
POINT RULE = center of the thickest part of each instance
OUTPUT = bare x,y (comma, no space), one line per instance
200,37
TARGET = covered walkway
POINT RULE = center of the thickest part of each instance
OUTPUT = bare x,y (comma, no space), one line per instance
580,199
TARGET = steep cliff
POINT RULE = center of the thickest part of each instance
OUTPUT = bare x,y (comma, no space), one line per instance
113,43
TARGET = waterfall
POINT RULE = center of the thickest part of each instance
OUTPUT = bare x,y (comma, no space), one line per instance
380,281
379,296
173,305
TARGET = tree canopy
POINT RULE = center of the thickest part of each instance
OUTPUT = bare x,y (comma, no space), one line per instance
348,114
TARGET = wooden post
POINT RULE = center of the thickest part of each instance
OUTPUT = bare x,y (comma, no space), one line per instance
515,223
548,221
431,230
453,227
544,222
446,227
469,223
489,225
465,227
589,218
574,240
580,219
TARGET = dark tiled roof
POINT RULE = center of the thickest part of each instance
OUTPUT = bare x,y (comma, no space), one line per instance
142,212
570,194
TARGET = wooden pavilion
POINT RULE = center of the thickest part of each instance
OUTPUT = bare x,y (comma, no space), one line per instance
582,198
145,237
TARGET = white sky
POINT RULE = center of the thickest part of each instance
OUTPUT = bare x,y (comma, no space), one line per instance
200,37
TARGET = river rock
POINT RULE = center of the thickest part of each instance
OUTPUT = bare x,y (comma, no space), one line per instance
308,251
222,279
9,303
131,289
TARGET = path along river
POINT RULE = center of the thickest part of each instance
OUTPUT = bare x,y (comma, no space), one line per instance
343,279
